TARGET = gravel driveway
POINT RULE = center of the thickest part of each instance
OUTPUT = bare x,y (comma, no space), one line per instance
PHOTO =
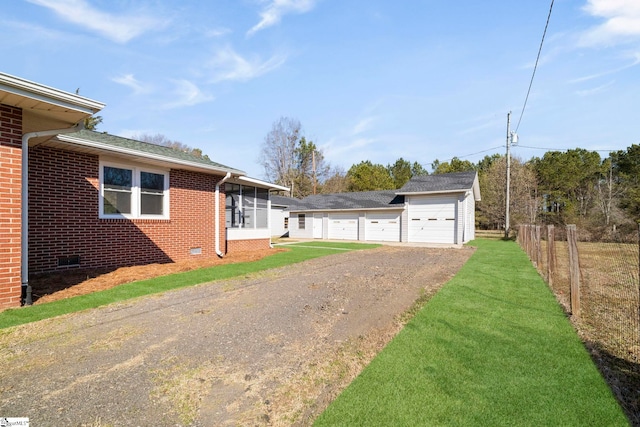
269,349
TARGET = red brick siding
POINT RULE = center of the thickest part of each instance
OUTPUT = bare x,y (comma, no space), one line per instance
247,245
10,196
63,218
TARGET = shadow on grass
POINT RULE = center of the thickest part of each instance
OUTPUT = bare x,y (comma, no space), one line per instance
623,377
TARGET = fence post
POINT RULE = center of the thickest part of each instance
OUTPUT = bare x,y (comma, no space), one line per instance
532,242
538,246
551,254
574,270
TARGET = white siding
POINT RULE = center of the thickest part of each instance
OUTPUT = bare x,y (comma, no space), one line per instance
300,233
384,227
277,217
470,218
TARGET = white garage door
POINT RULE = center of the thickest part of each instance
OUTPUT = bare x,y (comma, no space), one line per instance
384,227
343,226
432,219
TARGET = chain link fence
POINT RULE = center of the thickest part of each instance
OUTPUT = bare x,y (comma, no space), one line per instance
598,285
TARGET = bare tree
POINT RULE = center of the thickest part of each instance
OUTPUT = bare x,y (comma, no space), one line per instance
278,154
336,183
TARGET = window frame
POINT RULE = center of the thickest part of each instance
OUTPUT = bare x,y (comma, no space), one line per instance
136,191
251,209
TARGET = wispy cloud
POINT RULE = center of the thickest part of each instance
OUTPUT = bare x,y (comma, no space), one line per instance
340,146
587,92
274,11
363,125
217,32
635,62
227,64
622,22
119,28
130,81
186,94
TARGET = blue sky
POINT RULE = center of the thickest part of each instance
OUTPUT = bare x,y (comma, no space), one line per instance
369,80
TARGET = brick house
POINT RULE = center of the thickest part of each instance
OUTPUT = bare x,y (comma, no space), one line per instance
87,199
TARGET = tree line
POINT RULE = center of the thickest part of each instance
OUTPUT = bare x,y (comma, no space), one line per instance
577,186
601,195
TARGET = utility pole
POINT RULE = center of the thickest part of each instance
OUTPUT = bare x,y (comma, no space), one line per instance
313,157
508,178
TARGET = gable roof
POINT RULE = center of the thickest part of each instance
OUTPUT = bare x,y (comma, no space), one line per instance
442,183
104,143
458,182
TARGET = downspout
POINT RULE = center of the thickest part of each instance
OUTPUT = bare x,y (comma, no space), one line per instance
24,251
217,215
269,216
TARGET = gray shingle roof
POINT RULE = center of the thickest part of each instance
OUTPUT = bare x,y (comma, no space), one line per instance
341,201
439,183
289,202
389,199
145,148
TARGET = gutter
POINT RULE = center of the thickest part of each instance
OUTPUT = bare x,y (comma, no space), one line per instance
24,250
217,214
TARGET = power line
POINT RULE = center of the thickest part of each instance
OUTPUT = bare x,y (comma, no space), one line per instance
535,67
473,154
562,149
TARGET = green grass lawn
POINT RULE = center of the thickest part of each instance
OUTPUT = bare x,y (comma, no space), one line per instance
18,316
492,348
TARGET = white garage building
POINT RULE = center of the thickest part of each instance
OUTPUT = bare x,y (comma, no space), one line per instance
428,209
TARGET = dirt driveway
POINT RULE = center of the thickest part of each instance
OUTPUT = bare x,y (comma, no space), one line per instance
269,349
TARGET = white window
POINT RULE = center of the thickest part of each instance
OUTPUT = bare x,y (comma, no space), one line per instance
133,191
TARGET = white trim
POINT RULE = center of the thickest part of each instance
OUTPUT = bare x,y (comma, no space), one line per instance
40,92
399,209
248,233
258,183
136,169
424,193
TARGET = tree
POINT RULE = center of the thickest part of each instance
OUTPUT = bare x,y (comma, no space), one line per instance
311,168
609,191
523,203
626,168
292,161
159,139
336,183
456,165
365,176
402,171
418,170
91,123
278,154
484,164
567,181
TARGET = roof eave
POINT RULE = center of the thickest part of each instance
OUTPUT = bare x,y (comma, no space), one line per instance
420,193
49,95
397,208
260,183
69,138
